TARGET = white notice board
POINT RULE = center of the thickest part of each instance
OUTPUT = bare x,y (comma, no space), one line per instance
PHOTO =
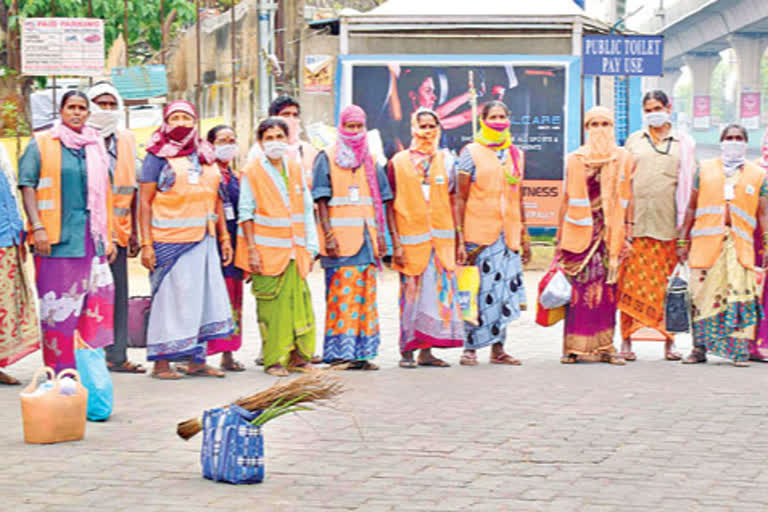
62,46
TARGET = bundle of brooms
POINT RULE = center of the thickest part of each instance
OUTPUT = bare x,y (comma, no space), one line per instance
310,388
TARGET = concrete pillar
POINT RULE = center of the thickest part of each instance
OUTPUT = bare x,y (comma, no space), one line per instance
702,66
749,51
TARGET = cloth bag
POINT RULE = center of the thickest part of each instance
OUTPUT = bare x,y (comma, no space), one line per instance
233,449
677,302
468,281
92,365
55,411
554,294
138,319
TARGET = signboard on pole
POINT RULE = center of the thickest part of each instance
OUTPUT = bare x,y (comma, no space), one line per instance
62,46
623,55
141,82
702,112
750,110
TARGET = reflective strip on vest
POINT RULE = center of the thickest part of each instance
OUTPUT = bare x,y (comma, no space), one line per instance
299,241
121,212
346,201
270,241
415,239
579,202
718,230
272,222
579,222
744,216
45,183
124,191
298,218
46,204
443,233
194,222
742,234
349,222
625,203
710,210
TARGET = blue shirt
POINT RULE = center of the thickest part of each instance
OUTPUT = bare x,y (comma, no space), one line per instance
74,196
10,217
321,189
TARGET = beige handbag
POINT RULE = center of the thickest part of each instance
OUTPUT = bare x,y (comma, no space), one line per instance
50,416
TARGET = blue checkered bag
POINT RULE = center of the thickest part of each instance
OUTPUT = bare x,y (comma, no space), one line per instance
233,449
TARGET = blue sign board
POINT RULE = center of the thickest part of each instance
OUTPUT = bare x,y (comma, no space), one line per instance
623,55
140,82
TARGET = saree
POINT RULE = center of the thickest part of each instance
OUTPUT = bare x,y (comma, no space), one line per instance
351,316
286,319
429,309
19,332
643,285
726,305
501,296
190,304
590,320
758,346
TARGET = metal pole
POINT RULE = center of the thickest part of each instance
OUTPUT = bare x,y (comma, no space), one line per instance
264,16
197,88
234,70
125,36
90,15
53,91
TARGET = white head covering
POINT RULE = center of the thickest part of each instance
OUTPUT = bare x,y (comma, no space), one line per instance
105,121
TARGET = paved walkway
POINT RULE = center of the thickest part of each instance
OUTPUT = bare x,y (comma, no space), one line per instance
653,435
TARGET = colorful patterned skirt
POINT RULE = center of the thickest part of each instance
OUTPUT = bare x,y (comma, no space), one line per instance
19,333
351,317
76,294
429,310
643,285
726,305
286,319
501,296
190,303
235,341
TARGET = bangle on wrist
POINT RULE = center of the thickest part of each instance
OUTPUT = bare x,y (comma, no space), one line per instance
459,229
37,226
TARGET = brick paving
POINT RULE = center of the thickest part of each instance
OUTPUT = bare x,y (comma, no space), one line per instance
653,435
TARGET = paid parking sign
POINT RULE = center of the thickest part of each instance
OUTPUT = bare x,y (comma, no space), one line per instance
623,55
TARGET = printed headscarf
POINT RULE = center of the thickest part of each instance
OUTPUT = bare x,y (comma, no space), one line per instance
495,136
352,151
162,144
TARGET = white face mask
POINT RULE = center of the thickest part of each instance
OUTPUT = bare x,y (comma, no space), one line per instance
275,149
657,119
226,152
105,121
733,150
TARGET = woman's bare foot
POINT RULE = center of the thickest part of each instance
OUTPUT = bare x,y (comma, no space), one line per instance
162,370
229,364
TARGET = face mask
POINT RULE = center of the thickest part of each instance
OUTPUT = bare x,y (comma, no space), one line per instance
498,126
275,149
657,119
105,121
180,133
733,149
226,152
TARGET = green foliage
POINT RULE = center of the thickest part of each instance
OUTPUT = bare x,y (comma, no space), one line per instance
18,126
144,23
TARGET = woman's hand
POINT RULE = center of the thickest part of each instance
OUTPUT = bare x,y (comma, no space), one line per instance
226,252
526,251
42,246
461,253
331,245
112,252
254,261
682,252
382,243
398,255
133,246
148,257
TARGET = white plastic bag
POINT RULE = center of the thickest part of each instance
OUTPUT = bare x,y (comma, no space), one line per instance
557,293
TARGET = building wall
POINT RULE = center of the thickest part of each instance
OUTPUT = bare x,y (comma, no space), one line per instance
476,43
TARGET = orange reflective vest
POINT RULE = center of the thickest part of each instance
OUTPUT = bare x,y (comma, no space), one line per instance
708,229
423,225
493,205
350,209
279,232
48,191
124,186
187,211
615,192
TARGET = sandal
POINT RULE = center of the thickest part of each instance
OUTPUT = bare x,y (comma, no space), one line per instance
673,356
696,356
167,375
234,366
303,367
505,359
434,362
277,370
569,359
206,371
613,359
741,364
407,363
126,367
7,380
628,356
468,359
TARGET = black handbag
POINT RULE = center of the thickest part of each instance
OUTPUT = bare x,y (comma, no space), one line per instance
677,303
